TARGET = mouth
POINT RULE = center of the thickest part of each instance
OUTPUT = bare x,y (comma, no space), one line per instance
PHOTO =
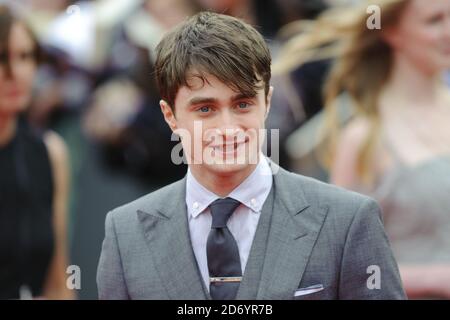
229,148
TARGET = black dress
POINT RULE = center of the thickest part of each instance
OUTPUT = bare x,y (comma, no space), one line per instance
26,230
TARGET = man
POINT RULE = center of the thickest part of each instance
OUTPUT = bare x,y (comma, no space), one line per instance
238,226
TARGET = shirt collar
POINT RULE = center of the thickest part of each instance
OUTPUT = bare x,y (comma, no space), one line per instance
198,198
252,192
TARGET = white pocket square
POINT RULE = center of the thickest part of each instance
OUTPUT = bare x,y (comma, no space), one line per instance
308,290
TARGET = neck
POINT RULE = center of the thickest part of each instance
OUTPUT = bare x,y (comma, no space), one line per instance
409,85
221,184
7,129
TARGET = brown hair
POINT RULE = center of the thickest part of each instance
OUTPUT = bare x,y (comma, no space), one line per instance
7,19
216,44
363,61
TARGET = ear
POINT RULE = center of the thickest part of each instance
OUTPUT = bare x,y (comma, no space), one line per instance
169,115
268,101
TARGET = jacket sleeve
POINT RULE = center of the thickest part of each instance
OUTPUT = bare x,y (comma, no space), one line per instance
368,267
110,279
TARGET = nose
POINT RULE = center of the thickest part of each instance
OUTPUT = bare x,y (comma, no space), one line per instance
227,125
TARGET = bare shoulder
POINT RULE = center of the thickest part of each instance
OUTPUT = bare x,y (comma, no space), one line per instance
354,133
343,169
58,155
57,148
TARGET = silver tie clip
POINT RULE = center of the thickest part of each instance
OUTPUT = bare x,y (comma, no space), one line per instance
225,279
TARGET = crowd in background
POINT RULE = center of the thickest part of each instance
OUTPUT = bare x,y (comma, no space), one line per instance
81,131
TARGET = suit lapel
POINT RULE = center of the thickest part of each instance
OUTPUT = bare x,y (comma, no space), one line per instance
252,274
166,230
293,232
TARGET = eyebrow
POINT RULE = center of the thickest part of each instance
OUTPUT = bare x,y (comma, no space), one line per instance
205,100
201,100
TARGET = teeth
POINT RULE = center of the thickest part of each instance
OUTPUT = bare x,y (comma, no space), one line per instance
222,148
227,147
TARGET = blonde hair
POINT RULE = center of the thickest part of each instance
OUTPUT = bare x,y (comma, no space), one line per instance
363,61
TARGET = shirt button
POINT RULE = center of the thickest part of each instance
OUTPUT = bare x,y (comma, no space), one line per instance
195,205
253,202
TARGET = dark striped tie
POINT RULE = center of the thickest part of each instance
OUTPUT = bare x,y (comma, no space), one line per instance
222,251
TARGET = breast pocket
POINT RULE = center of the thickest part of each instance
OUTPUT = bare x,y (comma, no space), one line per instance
313,292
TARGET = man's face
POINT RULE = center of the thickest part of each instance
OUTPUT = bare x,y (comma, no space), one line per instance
220,129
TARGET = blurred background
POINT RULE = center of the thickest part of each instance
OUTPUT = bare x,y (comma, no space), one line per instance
366,109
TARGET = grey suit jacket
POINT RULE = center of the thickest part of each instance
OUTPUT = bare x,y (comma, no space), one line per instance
313,241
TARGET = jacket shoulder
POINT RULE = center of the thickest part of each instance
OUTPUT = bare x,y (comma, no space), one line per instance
339,200
148,202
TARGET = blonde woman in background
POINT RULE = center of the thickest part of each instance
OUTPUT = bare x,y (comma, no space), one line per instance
396,146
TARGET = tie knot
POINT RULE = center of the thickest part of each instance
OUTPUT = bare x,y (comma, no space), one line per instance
221,211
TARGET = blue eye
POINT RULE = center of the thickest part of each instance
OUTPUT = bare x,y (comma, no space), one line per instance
204,109
243,105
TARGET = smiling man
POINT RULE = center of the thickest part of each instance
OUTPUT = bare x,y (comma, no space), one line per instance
238,226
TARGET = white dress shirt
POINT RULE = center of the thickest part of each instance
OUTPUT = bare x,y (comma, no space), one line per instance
252,194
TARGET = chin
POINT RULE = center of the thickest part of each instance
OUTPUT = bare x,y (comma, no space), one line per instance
234,166
226,169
